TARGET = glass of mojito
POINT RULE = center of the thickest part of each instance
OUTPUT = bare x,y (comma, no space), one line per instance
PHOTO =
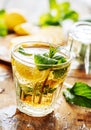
39,70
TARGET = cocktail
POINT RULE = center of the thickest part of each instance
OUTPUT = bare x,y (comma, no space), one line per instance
39,70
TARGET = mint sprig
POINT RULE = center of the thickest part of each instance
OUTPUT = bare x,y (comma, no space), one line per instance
77,100
53,51
44,61
58,12
79,94
47,60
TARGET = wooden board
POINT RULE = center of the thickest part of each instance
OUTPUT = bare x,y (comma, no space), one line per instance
64,116
49,34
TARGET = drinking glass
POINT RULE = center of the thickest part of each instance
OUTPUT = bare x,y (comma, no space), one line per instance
79,44
38,85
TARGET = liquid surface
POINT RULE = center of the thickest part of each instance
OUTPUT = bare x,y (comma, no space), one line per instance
37,88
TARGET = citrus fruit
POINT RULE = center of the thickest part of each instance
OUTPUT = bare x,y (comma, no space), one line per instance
13,18
26,29
29,73
21,30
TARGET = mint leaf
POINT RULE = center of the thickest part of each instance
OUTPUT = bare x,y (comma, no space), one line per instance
60,72
51,90
79,94
46,60
47,19
73,15
52,51
77,100
52,4
81,89
60,59
25,88
43,62
47,89
45,54
22,51
64,6
58,12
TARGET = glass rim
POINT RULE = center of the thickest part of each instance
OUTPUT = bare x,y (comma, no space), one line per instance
77,24
80,23
80,30
45,44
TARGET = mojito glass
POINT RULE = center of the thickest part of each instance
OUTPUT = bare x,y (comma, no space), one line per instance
39,70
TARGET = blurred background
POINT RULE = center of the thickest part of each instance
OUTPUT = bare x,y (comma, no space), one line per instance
33,8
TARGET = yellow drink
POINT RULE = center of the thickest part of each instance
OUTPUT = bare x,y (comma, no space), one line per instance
37,85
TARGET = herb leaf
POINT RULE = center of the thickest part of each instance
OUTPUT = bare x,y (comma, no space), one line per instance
44,62
52,4
60,72
3,28
47,89
22,51
79,94
58,12
52,51
77,100
81,89
60,59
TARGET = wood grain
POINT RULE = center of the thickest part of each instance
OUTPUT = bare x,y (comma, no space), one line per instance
64,117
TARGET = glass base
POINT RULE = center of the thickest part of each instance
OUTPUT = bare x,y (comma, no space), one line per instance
34,111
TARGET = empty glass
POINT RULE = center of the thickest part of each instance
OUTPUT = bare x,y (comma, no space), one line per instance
79,44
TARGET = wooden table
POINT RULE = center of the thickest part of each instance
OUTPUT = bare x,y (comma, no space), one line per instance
64,117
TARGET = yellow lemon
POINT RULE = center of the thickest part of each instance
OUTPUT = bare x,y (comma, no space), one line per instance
23,70
13,18
21,30
26,29
29,73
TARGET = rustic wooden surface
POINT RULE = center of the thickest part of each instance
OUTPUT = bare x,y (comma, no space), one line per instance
64,117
